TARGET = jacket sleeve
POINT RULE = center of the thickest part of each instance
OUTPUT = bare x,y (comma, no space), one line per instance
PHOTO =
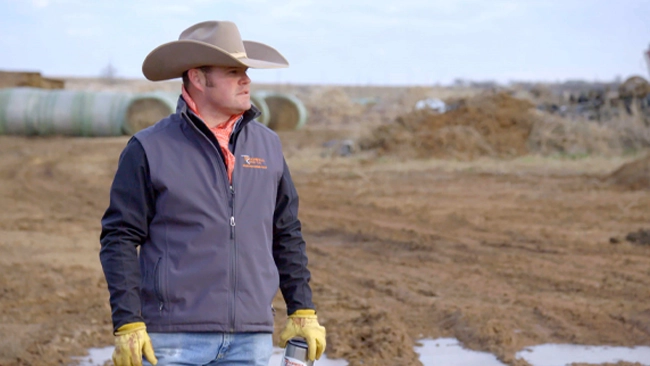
289,249
125,226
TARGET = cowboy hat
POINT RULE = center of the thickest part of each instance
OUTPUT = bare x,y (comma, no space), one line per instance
211,43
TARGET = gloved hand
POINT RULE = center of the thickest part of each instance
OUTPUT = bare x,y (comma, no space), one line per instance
304,324
131,341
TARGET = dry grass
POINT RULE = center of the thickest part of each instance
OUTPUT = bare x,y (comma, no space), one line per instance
553,135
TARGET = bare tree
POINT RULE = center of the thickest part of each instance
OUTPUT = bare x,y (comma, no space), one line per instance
109,73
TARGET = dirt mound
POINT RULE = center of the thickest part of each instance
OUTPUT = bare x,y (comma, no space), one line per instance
489,124
633,175
380,339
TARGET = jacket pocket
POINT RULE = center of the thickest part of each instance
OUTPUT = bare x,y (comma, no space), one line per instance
158,283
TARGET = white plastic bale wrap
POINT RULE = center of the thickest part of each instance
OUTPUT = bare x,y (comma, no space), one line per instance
32,111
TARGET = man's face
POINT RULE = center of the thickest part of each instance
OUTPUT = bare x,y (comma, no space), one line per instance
227,89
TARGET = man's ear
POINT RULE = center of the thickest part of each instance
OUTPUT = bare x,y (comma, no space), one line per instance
197,79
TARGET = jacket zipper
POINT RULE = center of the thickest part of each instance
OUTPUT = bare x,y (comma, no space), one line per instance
231,194
233,136
234,255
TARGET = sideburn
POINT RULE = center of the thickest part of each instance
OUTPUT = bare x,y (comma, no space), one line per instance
206,71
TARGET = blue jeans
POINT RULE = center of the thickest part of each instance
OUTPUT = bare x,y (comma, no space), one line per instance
251,349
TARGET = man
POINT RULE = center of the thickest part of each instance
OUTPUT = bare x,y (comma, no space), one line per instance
217,233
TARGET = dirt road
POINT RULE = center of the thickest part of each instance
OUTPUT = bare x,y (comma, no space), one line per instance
499,254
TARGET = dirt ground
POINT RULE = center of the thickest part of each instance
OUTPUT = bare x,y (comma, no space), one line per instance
501,254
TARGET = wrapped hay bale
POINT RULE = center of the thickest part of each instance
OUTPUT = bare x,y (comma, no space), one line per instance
260,104
286,112
144,110
32,111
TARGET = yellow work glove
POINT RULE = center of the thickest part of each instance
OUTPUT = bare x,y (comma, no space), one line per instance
304,324
131,341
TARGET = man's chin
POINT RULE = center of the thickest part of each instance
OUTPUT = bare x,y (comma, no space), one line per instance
241,109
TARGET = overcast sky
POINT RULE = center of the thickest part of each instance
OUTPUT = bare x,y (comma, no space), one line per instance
354,42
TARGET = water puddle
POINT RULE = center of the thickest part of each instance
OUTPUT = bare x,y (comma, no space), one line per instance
450,352
276,359
98,356
565,354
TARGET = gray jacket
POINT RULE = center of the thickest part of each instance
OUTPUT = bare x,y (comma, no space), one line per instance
212,254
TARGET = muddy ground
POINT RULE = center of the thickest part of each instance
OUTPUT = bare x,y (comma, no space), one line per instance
501,254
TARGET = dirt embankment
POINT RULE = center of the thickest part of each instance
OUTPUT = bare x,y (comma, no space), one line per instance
489,125
496,124
633,175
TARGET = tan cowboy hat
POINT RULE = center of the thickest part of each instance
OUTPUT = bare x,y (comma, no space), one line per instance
211,43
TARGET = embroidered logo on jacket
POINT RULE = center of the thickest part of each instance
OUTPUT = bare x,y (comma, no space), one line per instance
255,163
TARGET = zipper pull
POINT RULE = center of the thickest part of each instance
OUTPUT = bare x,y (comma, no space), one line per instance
232,221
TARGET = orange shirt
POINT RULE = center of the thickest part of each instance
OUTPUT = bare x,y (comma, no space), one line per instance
221,132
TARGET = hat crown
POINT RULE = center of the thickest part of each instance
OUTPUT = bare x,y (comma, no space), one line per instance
222,34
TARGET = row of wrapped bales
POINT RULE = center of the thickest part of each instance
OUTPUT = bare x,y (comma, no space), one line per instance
35,111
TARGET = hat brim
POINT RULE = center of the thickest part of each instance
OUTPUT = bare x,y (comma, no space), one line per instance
171,60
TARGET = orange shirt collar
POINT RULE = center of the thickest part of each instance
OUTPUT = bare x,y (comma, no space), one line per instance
192,106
